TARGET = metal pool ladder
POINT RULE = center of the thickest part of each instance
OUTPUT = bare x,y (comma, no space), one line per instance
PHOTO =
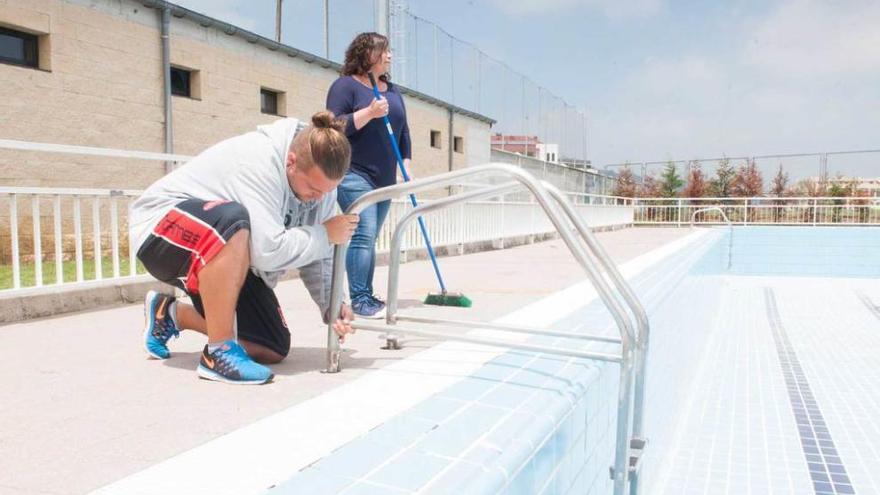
729,226
613,290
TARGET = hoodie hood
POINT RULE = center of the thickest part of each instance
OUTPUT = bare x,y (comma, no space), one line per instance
281,134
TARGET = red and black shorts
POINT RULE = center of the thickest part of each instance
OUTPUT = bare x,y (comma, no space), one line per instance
186,239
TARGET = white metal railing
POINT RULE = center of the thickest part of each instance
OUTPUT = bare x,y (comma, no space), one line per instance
80,219
479,221
89,227
760,211
98,219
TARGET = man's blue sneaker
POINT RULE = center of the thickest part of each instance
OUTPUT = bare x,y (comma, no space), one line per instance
160,325
368,308
230,363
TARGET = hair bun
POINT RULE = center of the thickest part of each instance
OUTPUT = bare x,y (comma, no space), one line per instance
323,119
326,120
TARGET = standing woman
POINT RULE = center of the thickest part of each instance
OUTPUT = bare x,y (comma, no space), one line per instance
373,163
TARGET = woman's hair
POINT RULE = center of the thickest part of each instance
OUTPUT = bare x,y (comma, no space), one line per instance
325,144
361,53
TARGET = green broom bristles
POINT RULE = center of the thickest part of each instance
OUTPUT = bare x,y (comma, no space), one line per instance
448,299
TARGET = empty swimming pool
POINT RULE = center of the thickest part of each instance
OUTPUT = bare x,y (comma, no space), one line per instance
761,379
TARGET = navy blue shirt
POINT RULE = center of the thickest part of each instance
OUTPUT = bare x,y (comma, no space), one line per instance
372,156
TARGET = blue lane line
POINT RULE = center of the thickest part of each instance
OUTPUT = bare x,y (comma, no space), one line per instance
826,468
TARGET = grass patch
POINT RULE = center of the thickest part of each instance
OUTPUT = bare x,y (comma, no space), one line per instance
28,271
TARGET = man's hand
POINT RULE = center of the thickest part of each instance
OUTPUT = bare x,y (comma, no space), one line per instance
340,228
342,326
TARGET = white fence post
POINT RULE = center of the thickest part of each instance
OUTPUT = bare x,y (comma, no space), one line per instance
114,236
96,238
77,238
132,256
679,212
13,226
38,241
59,254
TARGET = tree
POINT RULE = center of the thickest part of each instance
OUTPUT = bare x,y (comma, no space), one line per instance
724,175
779,183
811,188
696,182
626,184
839,188
650,188
670,181
778,189
747,182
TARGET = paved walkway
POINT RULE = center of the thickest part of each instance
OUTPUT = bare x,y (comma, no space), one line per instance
81,405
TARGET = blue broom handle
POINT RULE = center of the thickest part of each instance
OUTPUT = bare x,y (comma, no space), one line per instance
405,175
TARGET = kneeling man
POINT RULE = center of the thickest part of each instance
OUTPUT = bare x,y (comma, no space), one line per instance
225,226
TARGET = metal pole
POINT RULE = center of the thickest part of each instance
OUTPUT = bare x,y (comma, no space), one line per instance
278,20
477,93
326,28
523,111
436,64
166,70
382,17
452,67
586,138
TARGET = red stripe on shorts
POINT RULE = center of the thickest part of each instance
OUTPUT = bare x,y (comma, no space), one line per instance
201,240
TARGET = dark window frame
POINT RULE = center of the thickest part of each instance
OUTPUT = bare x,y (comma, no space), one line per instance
187,80
436,137
30,41
276,96
458,144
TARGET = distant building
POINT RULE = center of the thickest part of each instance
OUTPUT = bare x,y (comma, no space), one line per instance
864,186
91,73
524,145
576,163
548,152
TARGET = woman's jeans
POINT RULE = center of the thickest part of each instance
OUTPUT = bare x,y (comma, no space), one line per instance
360,261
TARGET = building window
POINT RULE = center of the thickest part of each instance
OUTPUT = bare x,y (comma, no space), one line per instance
270,101
458,144
435,139
18,48
181,82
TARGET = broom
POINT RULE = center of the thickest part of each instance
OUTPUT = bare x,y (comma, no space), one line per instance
444,297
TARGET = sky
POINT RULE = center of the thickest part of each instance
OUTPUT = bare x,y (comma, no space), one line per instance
658,79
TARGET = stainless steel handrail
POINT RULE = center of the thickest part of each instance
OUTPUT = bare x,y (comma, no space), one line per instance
626,293
593,244
710,208
545,200
378,327
729,226
635,306
507,328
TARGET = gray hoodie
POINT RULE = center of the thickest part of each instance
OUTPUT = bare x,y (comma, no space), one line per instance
251,170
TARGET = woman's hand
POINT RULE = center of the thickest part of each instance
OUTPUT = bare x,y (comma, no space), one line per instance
378,108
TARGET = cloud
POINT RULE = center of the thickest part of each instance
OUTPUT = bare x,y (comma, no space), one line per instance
805,38
612,9
800,79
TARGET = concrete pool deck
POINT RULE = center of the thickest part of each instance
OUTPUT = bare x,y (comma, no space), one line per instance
81,406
